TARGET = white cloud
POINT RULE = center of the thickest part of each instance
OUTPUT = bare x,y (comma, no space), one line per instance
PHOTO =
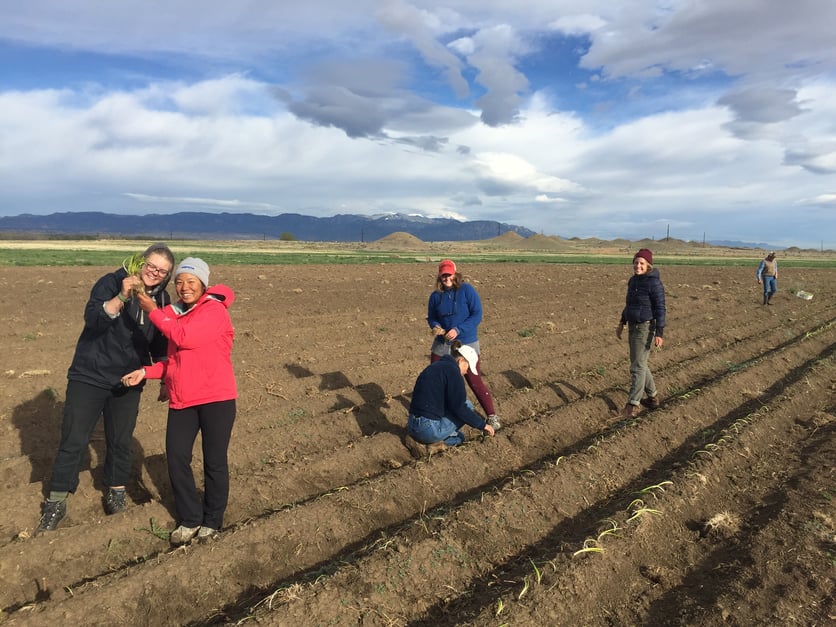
418,25
547,198
713,116
463,45
494,58
225,95
580,24
511,173
208,203
823,200
741,37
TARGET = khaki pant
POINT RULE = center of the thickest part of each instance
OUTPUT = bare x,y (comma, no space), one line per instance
640,338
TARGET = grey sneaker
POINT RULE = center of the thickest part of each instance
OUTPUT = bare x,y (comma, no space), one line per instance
182,534
207,533
52,512
115,501
493,420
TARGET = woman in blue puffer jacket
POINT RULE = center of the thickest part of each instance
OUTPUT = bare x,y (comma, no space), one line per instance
644,313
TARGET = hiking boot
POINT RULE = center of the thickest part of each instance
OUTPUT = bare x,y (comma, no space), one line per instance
630,411
115,502
651,402
52,512
205,534
493,420
417,449
182,534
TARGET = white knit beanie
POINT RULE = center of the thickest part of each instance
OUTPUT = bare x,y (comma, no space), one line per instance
195,266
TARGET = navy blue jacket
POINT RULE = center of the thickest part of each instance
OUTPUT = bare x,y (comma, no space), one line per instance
645,300
109,348
439,392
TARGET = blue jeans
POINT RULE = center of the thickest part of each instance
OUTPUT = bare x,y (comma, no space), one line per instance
430,430
640,338
770,285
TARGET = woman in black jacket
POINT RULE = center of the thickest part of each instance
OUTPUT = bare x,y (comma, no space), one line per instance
644,313
117,338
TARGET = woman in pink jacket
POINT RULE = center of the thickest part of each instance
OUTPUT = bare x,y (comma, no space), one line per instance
202,393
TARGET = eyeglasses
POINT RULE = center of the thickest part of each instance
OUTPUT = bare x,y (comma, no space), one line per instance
154,269
445,276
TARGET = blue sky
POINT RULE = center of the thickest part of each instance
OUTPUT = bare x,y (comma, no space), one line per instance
588,118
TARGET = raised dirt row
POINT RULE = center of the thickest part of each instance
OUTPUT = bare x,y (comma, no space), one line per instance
332,521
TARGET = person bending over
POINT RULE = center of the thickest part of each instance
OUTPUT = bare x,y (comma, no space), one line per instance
439,407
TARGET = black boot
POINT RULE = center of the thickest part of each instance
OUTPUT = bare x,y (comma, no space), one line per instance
765,299
769,298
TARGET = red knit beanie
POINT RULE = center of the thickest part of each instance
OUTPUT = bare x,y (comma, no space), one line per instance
645,254
446,267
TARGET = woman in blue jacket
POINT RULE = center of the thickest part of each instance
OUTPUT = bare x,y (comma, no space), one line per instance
454,312
644,313
439,407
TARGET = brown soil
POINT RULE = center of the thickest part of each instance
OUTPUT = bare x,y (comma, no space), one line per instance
715,509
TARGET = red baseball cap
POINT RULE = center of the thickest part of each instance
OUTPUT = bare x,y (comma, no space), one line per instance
446,267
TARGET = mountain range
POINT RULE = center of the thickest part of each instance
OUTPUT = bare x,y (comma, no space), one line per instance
199,225
244,226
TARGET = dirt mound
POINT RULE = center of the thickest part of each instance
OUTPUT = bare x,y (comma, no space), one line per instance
714,509
399,241
537,241
551,243
511,238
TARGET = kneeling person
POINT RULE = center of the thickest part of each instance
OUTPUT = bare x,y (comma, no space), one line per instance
439,407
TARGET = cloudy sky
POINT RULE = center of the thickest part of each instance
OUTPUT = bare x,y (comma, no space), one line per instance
632,118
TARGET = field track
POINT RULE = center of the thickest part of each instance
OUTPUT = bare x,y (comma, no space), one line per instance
715,509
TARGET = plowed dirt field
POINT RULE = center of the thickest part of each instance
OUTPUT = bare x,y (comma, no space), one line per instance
715,509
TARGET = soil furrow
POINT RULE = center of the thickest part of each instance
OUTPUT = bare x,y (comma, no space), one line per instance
593,514
520,460
328,506
553,553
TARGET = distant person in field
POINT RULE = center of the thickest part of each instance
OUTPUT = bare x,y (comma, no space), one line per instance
117,337
439,407
202,390
644,315
768,275
454,312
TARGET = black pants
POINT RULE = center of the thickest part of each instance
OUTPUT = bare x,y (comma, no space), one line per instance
214,422
85,403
